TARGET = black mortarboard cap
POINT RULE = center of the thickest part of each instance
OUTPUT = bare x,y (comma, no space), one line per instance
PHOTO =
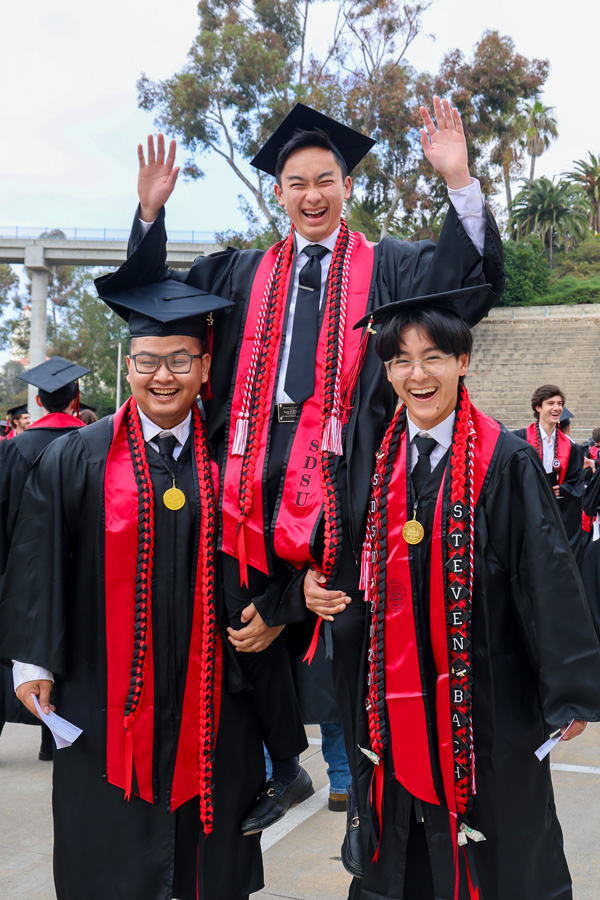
164,308
17,411
565,415
470,303
352,145
83,406
53,374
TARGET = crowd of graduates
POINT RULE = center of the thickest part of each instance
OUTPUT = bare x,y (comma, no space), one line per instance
299,515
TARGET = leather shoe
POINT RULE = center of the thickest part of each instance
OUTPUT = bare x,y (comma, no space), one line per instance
352,849
45,753
275,800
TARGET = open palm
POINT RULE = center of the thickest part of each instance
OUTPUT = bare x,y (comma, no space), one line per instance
444,143
156,178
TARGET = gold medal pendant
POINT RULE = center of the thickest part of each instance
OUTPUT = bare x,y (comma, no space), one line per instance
413,532
174,498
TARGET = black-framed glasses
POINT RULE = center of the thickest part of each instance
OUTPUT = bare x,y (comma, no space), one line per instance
435,364
177,363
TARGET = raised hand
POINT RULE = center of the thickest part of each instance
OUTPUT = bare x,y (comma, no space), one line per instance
156,178
444,143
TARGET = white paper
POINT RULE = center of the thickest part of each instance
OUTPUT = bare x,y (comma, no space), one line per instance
63,732
546,747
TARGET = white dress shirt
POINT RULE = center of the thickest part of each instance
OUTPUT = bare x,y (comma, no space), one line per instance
23,672
442,433
548,449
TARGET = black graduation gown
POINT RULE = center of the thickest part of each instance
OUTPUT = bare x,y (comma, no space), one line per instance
571,493
401,269
590,569
52,613
536,665
16,459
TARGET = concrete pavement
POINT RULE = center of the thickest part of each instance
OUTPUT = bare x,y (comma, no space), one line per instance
302,852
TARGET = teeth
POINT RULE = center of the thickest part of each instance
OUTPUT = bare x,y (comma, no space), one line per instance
163,393
423,390
318,212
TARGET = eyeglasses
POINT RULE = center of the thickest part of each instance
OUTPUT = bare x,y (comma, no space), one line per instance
436,364
177,363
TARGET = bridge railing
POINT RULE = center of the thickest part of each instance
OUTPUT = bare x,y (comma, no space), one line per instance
99,234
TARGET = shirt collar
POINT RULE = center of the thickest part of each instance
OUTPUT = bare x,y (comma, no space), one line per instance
329,241
150,429
441,432
544,436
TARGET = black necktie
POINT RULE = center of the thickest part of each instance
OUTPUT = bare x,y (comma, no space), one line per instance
422,469
166,444
300,377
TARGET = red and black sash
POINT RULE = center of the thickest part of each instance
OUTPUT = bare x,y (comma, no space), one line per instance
396,682
129,542
58,420
562,449
588,521
307,487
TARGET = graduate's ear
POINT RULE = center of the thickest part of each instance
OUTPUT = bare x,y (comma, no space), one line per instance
38,401
205,363
463,364
279,195
347,187
128,361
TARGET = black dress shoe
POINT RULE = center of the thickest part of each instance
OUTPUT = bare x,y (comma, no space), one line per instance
353,858
275,800
45,753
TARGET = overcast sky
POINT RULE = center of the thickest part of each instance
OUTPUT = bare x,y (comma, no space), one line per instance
71,123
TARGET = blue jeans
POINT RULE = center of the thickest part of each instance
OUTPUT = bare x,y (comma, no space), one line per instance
334,754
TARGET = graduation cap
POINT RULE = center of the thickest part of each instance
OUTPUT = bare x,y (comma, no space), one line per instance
565,416
351,145
470,303
164,308
83,406
54,374
17,411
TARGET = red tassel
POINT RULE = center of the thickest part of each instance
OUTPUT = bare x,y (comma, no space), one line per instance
206,390
379,805
349,379
240,554
128,761
473,891
310,653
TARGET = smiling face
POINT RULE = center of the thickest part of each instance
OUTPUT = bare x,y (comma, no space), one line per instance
429,400
313,192
164,397
550,412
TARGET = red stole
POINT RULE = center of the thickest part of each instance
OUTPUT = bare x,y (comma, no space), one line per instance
57,420
561,456
404,687
122,514
301,500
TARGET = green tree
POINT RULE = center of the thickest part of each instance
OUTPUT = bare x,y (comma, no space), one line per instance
555,212
527,271
586,175
540,130
490,90
251,62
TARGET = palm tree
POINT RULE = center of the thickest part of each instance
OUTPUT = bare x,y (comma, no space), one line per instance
540,129
555,212
587,176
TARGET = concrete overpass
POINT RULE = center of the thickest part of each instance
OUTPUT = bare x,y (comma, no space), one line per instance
41,255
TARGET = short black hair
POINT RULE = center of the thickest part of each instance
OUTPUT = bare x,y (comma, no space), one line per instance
315,137
544,392
447,331
57,401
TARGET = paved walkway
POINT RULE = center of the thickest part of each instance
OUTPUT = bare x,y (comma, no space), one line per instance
302,852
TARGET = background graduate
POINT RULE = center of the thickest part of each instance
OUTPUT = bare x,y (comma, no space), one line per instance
303,419
481,637
110,587
57,383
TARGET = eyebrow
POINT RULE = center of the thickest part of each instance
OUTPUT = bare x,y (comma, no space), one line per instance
427,350
303,178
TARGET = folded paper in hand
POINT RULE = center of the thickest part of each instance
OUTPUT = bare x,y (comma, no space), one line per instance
63,732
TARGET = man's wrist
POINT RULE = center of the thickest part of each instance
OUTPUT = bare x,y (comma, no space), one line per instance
457,181
148,215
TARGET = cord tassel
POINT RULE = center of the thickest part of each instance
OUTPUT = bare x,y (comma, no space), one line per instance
241,436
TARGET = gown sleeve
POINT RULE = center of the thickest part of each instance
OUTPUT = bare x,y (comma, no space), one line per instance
32,602
526,533
13,475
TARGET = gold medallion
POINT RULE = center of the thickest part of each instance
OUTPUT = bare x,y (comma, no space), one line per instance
413,532
174,498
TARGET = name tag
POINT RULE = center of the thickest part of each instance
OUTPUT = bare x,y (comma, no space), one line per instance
287,412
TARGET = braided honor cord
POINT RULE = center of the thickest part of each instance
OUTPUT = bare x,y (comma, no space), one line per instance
209,648
459,584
